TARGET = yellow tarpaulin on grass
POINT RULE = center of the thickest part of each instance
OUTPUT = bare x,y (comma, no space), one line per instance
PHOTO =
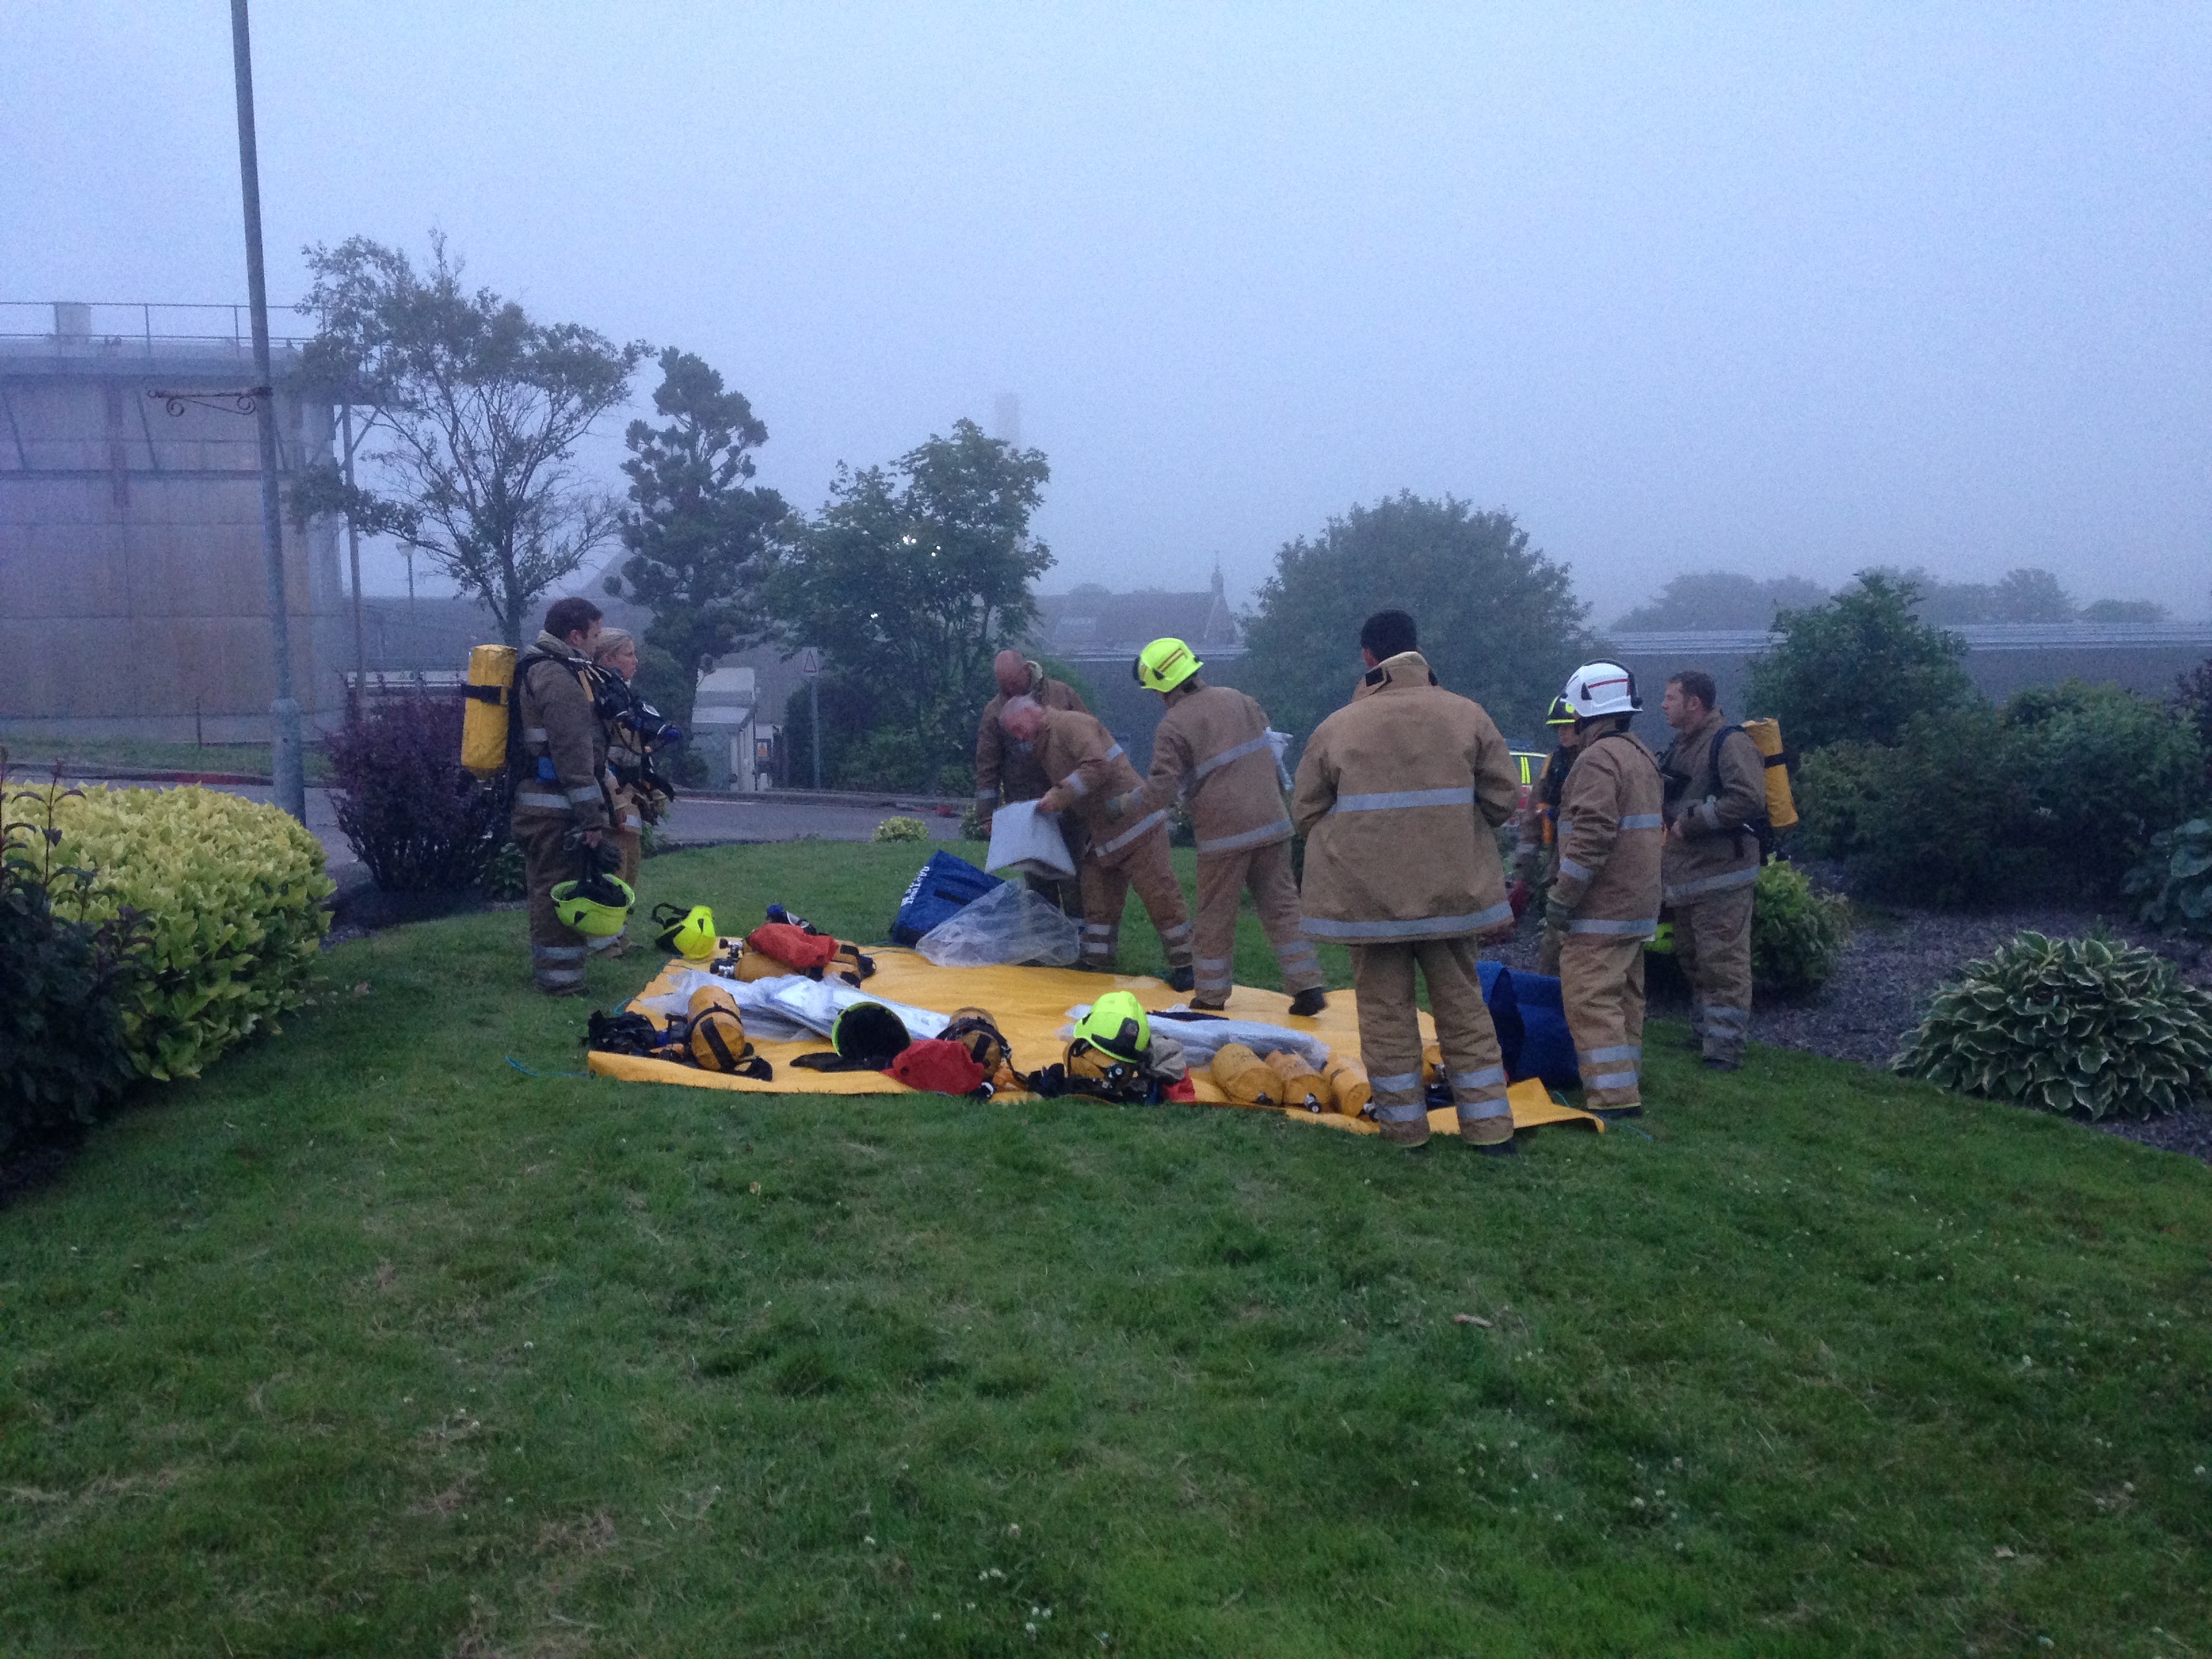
1030,1006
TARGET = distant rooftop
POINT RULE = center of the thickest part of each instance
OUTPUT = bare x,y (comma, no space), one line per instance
68,333
1092,624
1978,637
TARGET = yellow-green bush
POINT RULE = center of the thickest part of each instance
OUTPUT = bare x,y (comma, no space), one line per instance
231,896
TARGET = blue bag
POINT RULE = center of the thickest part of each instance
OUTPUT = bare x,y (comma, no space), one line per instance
1529,1007
941,888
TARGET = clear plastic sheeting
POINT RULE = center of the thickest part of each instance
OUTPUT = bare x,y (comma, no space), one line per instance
756,1001
1008,927
1026,841
816,1004
1201,1037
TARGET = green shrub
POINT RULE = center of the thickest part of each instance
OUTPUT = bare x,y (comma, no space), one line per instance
2069,1026
2174,882
1797,933
1858,667
232,894
63,1060
1838,791
502,879
901,829
2100,771
1936,819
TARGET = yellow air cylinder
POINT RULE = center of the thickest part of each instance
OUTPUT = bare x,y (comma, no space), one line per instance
485,714
1781,807
1302,1085
1347,1081
1246,1078
711,996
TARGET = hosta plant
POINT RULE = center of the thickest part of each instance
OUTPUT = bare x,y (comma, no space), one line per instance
2174,883
2069,1025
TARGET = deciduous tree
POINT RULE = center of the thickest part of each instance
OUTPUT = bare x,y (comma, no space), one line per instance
1498,620
481,409
910,579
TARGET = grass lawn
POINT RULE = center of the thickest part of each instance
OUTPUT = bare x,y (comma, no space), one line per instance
31,753
369,1343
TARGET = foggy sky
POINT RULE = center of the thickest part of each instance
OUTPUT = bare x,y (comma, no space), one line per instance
1795,289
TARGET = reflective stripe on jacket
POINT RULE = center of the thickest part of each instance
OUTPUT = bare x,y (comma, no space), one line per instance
558,722
1397,795
1006,770
1715,807
1211,750
1088,769
1610,828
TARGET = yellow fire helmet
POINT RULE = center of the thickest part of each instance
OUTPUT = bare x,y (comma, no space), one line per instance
597,908
1118,1025
690,934
1165,663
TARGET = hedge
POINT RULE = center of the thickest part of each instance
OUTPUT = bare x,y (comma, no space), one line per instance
230,896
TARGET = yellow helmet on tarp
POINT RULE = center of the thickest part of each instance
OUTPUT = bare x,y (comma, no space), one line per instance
1118,1025
690,934
1165,663
596,907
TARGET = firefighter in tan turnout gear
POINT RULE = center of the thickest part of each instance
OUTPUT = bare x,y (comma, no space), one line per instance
1604,903
1211,750
1007,770
1716,803
1536,832
1089,770
1398,796
561,796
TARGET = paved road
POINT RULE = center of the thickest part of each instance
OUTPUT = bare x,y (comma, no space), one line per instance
698,820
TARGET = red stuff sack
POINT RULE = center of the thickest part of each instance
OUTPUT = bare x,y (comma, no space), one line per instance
937,1066
805,952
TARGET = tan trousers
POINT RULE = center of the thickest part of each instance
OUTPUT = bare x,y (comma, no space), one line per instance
1602,980
1222,879
1712,941
1390,1035
557,953
629,839
1106,890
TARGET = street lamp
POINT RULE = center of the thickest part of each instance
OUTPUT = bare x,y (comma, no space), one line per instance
291,788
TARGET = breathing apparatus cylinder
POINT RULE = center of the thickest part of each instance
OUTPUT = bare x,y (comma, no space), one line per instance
1347,1080
1302,1085
1245,1077
485,715
1780,805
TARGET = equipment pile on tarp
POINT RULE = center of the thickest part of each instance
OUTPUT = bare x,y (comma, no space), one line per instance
968,1012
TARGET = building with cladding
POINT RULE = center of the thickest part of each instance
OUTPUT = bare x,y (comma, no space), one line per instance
134,597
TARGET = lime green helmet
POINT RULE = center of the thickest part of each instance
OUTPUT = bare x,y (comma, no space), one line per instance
688,933
598,907
1118,1025
1165,663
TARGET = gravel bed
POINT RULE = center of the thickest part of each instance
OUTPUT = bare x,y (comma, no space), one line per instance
1894,962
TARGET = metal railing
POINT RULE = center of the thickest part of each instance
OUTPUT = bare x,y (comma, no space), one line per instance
137,326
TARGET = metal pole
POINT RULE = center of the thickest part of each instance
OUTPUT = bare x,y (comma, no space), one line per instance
814,721
290,791
352,552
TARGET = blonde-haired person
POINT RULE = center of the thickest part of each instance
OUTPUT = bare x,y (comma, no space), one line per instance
616,650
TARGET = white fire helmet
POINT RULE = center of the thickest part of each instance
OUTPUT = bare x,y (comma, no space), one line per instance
1597,688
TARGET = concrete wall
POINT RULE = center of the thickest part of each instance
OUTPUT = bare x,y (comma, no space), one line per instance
133,588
